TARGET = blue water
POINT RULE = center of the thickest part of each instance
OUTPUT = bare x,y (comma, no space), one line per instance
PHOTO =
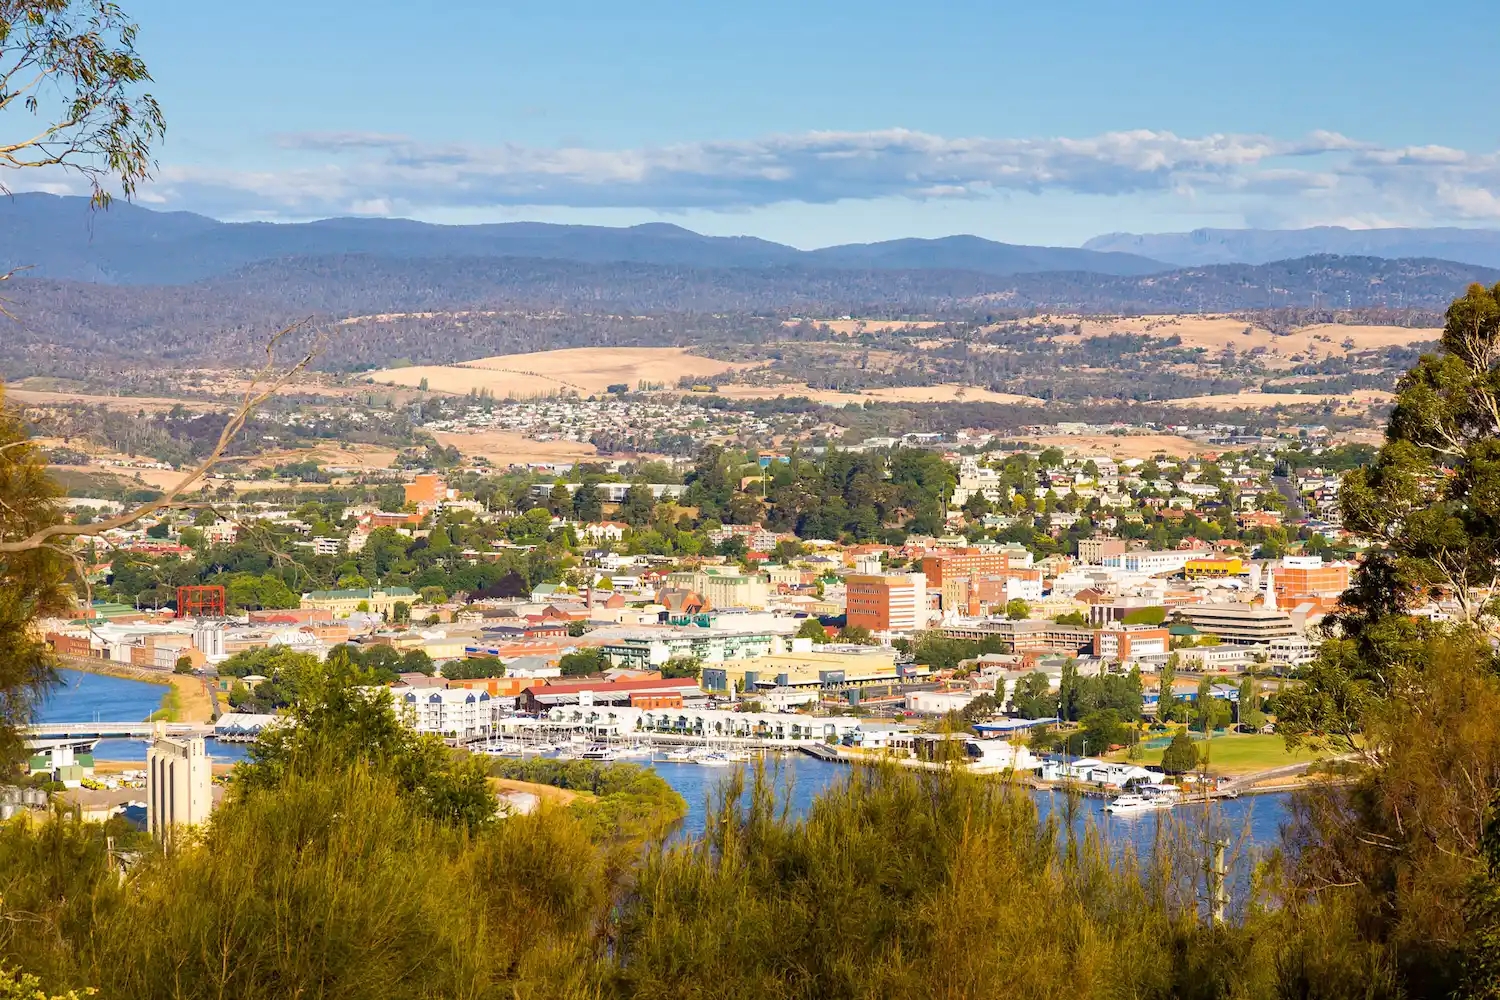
1248,823
84,697
1254,820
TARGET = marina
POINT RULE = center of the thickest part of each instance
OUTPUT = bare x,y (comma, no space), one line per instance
696,767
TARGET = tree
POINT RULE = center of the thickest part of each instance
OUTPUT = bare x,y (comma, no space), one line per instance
73,87
1203,706
786,550
479,667
1248,706
337,717
636,509
1166,688
983,707
682,667
1067,691
857,635
1017,610
32,582
1104,729
1033,697
1074,618
1431,498
184,665
582,663
1145,616
812,629
1180,756
588,503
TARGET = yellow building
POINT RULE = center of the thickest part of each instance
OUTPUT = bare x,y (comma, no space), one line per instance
344,603
1203,569
723,587
840,668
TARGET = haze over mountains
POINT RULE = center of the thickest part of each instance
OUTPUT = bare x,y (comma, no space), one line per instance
61,238
129,244
1261,246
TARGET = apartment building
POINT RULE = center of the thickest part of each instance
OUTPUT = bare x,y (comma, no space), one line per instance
1025,635
452,712
724,587
1131,642
1153,562
886,602
1310,576
941,566
649,648
820,668
1091,551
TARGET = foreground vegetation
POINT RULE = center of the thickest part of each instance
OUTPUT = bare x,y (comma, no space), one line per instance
350,860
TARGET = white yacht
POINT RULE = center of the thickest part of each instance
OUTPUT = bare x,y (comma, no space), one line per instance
713,759
1145,799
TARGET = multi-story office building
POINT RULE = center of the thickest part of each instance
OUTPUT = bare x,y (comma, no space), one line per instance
886,602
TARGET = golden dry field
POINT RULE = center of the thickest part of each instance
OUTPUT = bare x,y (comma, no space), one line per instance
1358,401
586,370
1215,333
1125,446
893,394
35,397
507,447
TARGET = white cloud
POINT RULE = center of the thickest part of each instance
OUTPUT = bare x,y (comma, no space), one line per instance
1320,176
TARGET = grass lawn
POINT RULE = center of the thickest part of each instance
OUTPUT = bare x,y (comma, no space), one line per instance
1241,754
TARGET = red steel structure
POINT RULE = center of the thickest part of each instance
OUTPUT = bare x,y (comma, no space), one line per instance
200,602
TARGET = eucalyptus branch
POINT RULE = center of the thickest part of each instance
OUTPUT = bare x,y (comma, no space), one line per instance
255,394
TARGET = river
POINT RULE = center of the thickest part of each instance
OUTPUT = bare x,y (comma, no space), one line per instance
1251,822
85,697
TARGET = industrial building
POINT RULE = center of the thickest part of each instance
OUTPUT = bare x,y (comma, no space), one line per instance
179,790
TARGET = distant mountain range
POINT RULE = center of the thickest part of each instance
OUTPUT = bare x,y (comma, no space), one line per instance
130,245
59,237
1261,246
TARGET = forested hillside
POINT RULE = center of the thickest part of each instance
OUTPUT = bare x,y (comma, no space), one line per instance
525,304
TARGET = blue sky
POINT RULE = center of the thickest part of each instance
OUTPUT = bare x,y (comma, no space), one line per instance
823,122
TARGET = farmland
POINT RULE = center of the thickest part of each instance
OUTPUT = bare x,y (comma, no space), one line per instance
585,370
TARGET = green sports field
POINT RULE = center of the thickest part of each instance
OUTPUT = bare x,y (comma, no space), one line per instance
1241,754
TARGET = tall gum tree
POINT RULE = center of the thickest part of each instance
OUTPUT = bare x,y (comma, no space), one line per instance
1430,504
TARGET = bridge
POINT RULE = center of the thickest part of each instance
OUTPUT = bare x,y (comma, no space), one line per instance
83,736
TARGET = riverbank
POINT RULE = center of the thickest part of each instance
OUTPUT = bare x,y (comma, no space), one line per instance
549,793
185,700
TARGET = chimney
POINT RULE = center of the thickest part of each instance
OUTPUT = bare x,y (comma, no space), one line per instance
1270,589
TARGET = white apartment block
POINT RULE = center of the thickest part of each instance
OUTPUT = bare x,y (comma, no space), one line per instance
444,711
